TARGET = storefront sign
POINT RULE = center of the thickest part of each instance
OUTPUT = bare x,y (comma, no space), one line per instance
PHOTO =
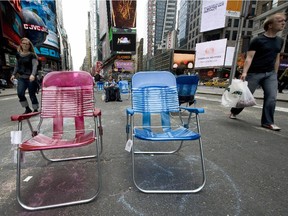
10,60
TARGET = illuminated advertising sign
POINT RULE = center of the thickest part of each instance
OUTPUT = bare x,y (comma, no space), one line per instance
124,13
48,52
124,65
124,42
46,10
12,26
184,59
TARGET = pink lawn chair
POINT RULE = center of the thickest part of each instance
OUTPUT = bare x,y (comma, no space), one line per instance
66,96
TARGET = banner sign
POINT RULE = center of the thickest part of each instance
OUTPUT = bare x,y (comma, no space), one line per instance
213,15
234,8
211,53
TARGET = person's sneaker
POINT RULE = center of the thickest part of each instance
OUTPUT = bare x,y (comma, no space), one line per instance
232,116
271,127
27,110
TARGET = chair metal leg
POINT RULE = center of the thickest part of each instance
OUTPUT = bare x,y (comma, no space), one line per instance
160,152
194,190
34,208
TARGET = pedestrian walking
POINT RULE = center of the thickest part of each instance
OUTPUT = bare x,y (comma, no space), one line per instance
26,68
261,66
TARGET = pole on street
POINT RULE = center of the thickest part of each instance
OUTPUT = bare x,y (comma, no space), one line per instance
238,39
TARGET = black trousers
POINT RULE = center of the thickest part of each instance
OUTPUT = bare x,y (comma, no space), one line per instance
112,93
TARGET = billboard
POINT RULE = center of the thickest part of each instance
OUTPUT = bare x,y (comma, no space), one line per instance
124,65
234,8
183,58
123,41
213,15
211,53
46,10
124,13
12,25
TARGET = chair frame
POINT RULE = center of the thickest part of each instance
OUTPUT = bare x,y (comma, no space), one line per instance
128,91
130,132
187,87
98,150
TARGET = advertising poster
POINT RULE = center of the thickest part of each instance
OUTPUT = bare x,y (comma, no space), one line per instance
124,66
183,59
210,54
123,41
234,8
213,15
124,13
12,26
46,10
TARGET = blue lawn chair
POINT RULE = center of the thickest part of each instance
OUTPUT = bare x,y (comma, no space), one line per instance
186,87
124,88
154,96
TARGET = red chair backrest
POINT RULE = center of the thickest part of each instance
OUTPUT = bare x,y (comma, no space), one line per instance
67,94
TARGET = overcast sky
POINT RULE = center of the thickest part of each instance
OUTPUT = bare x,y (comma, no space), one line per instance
75,15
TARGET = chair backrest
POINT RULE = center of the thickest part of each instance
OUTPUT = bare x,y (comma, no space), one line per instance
187,85
154,92
100,86
67,94
123,86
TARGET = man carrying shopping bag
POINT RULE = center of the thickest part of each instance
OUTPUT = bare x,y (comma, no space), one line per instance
261,66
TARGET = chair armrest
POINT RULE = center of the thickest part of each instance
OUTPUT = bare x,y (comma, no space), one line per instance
129,111
193,109
97,112
22,117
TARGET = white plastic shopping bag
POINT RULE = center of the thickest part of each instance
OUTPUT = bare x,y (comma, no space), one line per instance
232,94
238,95
246,99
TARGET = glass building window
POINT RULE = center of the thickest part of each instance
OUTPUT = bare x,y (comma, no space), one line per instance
227,35
236,23
234,35
250,23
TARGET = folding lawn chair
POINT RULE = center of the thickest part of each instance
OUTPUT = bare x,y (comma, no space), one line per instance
124,88
186,87
154,96
66,97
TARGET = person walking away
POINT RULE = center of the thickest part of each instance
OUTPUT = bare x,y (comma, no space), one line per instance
26,68
261,66
283,81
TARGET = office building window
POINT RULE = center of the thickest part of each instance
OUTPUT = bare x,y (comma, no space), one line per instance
227,35
234,35
236,23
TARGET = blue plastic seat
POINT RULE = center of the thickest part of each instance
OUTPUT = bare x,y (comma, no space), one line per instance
154,97
100,86
186,87
124,88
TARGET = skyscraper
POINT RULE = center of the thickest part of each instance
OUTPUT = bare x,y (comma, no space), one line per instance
161,20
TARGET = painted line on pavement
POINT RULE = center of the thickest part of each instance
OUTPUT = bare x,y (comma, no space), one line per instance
280,109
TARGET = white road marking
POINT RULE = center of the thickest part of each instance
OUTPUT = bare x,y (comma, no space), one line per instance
280,109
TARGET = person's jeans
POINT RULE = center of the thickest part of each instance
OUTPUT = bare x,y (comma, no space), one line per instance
268,82
32,87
